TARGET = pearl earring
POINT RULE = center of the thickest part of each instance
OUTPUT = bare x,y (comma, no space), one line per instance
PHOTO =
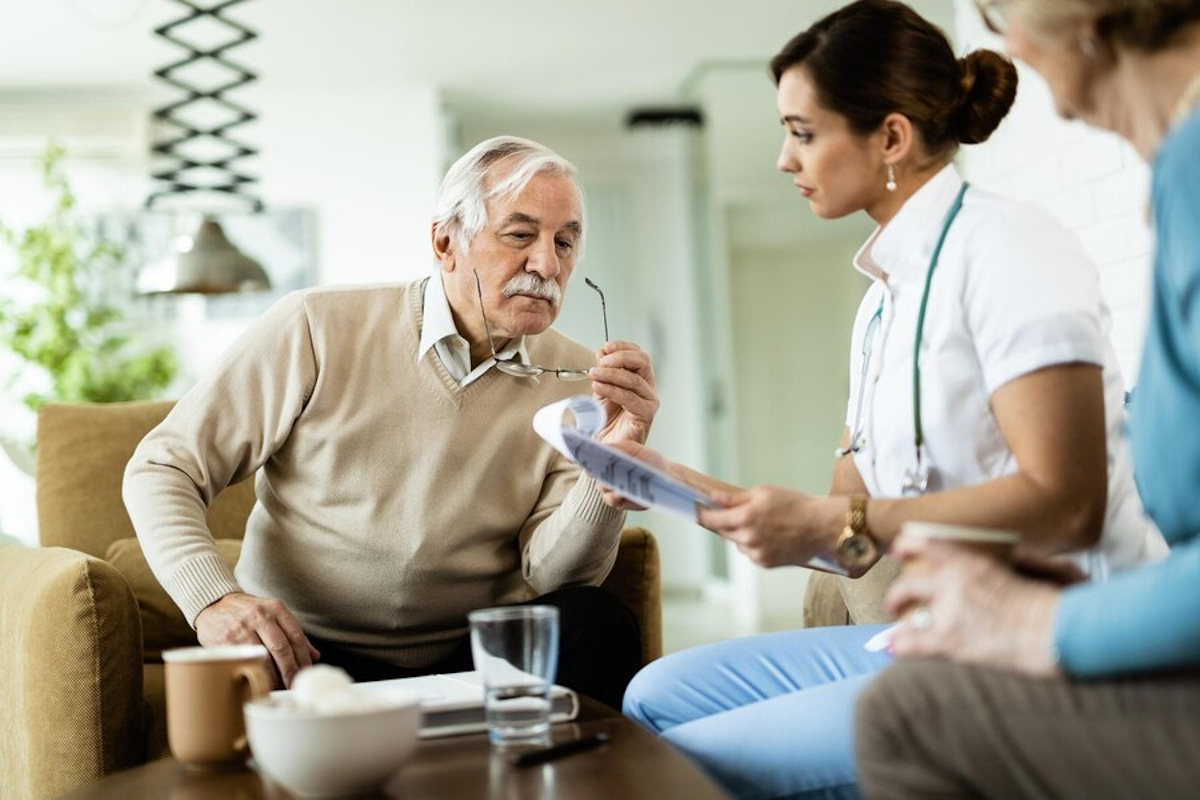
891,179
1087,46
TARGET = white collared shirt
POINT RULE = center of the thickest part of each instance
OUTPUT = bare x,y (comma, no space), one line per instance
439,332
1013,292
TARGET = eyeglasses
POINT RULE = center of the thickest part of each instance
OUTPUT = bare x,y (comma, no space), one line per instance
994,15
510,366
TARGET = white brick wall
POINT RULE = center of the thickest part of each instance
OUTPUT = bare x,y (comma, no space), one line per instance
1092,181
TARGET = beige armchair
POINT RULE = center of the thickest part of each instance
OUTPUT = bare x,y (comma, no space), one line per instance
83,622
832,600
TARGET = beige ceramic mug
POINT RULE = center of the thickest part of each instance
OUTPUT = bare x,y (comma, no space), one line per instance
206,687
997,544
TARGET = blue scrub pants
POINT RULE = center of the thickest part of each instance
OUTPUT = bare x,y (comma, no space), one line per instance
766,716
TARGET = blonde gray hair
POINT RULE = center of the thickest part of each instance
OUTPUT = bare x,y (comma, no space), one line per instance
1146,25
461,209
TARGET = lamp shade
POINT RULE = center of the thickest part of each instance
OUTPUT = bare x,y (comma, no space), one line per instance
207,263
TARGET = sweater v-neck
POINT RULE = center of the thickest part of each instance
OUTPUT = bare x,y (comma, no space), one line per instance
456,393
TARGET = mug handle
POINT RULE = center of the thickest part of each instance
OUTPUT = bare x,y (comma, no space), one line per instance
255,677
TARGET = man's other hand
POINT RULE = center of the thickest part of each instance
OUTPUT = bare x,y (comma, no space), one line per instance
623,380
241,618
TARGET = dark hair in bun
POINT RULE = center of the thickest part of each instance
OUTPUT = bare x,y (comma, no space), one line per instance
989,86
875,57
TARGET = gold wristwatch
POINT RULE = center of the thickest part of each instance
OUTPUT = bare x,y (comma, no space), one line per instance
856,547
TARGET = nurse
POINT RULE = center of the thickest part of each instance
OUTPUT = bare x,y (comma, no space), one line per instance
984,392
1023,687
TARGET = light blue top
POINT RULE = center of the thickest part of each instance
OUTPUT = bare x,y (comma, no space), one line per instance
1149,618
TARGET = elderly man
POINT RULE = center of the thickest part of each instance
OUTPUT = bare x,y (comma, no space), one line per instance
399,482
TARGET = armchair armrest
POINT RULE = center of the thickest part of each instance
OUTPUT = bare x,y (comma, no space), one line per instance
823,603
636,579
834,600
72,666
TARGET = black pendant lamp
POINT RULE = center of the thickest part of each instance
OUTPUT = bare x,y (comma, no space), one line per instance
202,158
207,263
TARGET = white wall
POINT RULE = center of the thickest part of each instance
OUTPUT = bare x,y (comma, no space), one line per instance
1092,181
793,312
369,160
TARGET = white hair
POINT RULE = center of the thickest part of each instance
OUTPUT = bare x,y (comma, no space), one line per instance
1146,25
461,209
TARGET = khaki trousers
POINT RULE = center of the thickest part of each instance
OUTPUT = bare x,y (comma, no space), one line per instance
936,729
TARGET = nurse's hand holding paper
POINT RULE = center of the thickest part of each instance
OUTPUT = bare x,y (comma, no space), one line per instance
773,526
766,523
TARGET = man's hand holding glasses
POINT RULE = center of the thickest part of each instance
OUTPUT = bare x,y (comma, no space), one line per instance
623,379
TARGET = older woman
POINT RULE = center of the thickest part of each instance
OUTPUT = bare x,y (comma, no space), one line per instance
1091,690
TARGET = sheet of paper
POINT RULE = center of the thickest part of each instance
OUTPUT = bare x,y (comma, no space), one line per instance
881,640
570,425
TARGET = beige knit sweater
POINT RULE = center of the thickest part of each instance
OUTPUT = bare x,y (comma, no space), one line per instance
390,501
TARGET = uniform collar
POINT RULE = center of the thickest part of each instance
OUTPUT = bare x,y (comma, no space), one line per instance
900,250
437,323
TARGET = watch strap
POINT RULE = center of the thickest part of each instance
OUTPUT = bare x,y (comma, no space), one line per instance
856,514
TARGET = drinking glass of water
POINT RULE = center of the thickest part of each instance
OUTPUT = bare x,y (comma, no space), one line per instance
516,653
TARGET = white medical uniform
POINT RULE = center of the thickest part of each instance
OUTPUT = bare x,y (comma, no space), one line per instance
1013,292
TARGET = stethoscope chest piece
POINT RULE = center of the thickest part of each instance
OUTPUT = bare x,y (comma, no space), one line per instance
916,480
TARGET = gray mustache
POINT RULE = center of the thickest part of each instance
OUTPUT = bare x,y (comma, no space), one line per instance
529,283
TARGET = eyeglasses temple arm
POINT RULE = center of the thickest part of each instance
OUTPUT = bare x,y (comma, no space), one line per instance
603,305
486,329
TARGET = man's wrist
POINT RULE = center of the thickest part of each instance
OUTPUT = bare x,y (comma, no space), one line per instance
629,433
214,604
585,502
200,582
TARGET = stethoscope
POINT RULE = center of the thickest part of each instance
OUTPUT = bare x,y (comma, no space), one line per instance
916,477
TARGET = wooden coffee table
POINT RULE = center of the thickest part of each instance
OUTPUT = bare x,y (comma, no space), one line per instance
633,764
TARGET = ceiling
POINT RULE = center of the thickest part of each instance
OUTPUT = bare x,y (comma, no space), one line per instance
548,55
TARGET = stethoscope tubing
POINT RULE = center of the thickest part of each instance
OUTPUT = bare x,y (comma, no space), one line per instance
856,432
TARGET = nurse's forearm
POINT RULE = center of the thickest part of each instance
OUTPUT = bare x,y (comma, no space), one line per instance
698,480
1047,521
1053,422
846,478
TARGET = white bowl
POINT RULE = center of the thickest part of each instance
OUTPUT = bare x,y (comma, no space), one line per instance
326,754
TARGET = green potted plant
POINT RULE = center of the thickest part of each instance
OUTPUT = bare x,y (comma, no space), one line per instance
66,341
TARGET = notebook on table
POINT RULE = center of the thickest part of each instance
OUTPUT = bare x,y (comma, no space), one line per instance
452,703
